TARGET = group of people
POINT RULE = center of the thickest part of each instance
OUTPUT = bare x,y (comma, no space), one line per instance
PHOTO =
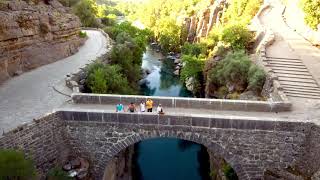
148,105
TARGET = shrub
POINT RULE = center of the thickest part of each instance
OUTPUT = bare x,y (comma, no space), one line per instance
312,12
107,79
193,49
233,69
82,34
58,174
87,11
237,35
256,78
193,68
14,165
229,172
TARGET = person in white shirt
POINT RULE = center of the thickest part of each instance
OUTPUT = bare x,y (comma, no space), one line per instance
142,106
159,109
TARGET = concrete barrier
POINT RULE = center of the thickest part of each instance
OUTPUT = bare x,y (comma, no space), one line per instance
181,102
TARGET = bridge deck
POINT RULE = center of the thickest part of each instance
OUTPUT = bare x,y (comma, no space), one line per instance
295,116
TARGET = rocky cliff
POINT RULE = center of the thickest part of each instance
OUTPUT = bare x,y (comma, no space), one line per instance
200,24
35,33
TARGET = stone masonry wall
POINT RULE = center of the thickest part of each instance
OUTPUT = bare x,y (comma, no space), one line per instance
249,146
42,140
34,34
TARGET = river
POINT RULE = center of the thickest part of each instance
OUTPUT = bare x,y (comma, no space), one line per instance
166,158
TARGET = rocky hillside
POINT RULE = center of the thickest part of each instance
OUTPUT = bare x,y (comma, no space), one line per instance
35,33
200,24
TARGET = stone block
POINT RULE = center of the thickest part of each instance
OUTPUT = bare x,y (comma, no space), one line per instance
201,121
148,118
265,125
126,100
179,120
243,124
215,104
221,123
110,117
66,115
80,116
182,103
258,106
106,99
165,102
164,120
85,99
285,126
130,118
95,116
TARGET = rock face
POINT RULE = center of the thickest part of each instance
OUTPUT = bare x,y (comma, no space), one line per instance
200,24
34,34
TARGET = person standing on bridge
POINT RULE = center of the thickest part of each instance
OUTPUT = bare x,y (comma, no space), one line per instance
131,107
142,106
149,105
119,108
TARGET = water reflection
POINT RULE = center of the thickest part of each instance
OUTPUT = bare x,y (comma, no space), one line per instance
170,159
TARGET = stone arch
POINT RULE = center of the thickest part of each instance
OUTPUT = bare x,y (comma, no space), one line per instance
232,159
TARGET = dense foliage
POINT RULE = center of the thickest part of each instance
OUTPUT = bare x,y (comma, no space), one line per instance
14,165
238,71
103,78
312,12
229,173
57,173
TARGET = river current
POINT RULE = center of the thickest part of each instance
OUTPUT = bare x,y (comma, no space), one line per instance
166,158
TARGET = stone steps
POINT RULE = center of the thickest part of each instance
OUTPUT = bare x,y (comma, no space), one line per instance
298,84
287,66
286,63
301,88
295,94
299,80
290,69
291,72
294,77
307,76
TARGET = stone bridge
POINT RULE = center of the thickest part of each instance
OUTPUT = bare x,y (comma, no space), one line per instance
250,146
251,142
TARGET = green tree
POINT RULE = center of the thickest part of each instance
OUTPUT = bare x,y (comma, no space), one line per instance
107,79
87,11
236,35
233,69
311,9
14,165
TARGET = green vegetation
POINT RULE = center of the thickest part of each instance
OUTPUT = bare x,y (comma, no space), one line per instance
58,174
237,70
87,11
311,9
14,165
104,78
229,173
82,34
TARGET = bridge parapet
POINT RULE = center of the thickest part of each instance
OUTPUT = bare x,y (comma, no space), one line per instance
182,102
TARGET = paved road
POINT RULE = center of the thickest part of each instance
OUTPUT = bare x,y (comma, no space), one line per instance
31,95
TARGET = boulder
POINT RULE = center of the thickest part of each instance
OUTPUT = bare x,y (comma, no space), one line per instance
176,72
249,95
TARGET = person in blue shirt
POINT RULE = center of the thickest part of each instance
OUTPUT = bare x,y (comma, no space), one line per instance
119,108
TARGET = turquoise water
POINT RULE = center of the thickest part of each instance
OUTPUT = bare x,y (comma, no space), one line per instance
161,80
164,158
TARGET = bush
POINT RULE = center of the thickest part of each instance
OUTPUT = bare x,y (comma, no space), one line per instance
237,35
193,68
311,9
82,34
229,172
233,69
194,49
14,165
256,78
58,174
87,11
107,79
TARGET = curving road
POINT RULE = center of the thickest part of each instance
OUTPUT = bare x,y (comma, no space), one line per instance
31,95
